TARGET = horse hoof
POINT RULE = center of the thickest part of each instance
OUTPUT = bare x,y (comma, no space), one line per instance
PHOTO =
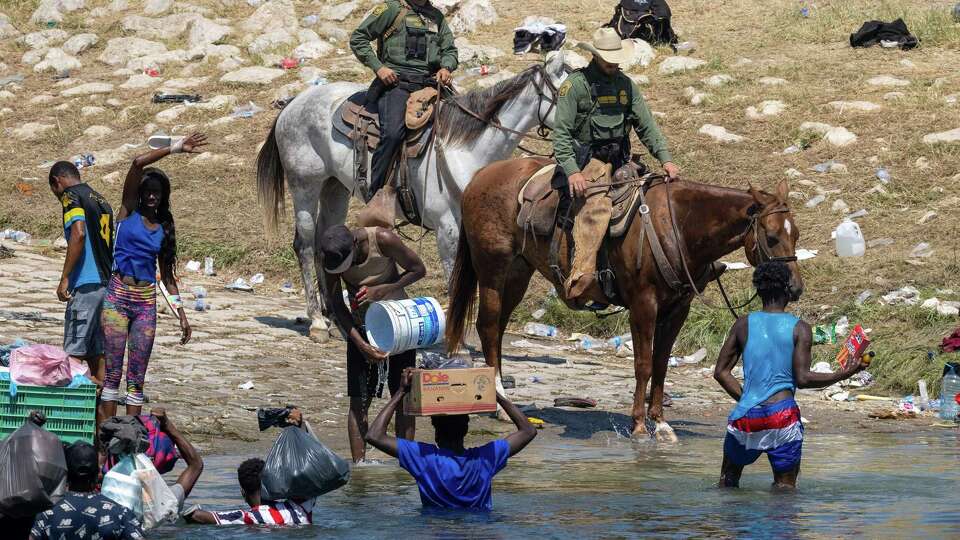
665,433
640,433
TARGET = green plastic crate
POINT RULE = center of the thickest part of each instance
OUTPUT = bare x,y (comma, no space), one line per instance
71,412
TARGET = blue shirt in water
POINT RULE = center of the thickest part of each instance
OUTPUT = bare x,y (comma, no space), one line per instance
449,480
767,359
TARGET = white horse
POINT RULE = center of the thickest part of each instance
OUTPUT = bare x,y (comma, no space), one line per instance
318,162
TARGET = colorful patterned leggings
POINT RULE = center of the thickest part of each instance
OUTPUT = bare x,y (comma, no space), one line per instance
129,322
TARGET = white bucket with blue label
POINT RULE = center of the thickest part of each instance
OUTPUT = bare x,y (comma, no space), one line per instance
396,326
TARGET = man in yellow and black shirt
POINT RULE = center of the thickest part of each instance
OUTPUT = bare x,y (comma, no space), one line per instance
414,49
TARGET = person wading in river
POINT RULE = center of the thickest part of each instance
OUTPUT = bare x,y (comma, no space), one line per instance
775,347
596,109
366,260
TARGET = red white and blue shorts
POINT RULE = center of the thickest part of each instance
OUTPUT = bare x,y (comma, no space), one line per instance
772,429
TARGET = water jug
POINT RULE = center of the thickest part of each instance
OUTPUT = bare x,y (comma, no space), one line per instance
948,392
849,240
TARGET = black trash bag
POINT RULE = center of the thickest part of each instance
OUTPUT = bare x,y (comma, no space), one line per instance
124,435
269,417
873,32
301,467
32,469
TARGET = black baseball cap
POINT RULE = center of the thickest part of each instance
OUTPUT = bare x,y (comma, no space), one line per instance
337,247
82,463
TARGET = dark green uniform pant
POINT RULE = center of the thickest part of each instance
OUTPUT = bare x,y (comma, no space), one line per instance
393,130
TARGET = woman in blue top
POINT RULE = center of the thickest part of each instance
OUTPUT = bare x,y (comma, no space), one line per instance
775,347
146,235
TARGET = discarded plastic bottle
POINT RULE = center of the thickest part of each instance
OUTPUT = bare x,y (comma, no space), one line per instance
539,329
948,392
823,167
585,344
538,314
200,304
883,175
256,279
815,201
208,267
84,160
850,240
309,20
199,292
617,341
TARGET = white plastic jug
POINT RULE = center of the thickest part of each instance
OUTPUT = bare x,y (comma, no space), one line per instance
850,240
395,326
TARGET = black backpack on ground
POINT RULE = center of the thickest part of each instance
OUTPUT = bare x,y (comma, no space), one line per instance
651,25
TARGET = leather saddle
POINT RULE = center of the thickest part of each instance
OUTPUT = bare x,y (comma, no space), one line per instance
359,121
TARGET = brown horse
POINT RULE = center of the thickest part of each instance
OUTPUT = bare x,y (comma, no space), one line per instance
712,221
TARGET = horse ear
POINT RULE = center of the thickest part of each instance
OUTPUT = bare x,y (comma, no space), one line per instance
755,194
783,191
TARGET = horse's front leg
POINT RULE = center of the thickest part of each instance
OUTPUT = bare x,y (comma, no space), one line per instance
669,324
643,314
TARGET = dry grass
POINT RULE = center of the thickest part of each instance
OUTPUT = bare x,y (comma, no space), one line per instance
217,211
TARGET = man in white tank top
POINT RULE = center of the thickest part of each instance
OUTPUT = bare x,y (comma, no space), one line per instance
374,264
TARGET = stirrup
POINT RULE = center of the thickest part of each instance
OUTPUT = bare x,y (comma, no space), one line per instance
595,306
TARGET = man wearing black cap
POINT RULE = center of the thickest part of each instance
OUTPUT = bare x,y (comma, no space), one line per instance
83,513
366,260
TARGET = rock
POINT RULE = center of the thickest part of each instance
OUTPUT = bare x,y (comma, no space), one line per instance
91,111
271,16
169,115
184,84
88,89
695,96
52,10
205,32
31,130
816,127
122,50
741,62
41,99
927,217
4,95
677,64
639,79
887,80
312,49
572,59
252,75
80,42
157,7
952,136
718,80
339,12
44,38
206,158
491,80
165,28
793,173
154,61
223,120
306,35
269,41
719,134
952,99
57,61
467,51
643,55
97,132
859,106
34,57
332,31
270,60
771,81
229,64
894,96
922,163
471,14
110,156
140,81
288,91
840,206
7,30
839,136
765,109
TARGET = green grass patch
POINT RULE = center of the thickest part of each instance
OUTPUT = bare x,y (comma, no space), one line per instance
224,254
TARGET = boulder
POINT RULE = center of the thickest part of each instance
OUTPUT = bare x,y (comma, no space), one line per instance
765,109
839,136
643,55
641,80
97,132
87,89
7,30
169,115
44,38
491,80
677,64
185,83
695,96
943,137
332,31
33,56
471,14
252,75
91,110
467,51
41,99
289,91
857,106
31,131
306,35
817,127
719,134
205,32
271,16
140,81
574,59
121,50
171,26
230,64
313,49
894,96
718,80
157,7
771,81
48,11
340,12
80,42
155,61
57,61
887,80
270,40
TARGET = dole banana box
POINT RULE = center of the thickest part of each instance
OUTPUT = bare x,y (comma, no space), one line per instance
451,391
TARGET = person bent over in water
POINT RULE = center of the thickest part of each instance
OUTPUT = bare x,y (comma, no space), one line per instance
448,474
775,347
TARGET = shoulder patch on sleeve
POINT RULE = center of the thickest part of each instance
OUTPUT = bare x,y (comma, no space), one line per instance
379,10
565,87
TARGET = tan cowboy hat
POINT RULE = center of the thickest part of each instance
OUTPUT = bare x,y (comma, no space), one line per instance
607,45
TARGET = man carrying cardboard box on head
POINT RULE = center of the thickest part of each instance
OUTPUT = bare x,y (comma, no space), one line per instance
448,474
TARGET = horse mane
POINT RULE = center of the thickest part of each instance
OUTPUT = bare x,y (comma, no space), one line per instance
456,126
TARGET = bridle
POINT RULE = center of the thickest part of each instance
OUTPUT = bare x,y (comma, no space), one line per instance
760,246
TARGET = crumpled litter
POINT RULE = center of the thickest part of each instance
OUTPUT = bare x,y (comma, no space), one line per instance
908,295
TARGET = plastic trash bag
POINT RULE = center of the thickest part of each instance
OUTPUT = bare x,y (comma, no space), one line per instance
120,486
159,502
301,467
32,468
43,365
269,417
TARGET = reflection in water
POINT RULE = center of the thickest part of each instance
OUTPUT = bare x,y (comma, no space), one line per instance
868,486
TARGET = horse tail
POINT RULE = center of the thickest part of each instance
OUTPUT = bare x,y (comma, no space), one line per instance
270,179
463,294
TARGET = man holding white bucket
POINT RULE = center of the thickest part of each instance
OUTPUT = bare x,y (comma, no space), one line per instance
368,260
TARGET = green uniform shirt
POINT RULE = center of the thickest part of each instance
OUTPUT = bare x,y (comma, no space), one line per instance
619,105
399,50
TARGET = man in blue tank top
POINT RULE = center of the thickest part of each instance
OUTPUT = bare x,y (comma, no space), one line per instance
775,347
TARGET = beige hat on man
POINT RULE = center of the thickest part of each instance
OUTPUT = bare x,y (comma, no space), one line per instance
607,45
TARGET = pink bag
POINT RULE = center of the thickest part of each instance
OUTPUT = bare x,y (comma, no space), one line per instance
44,365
